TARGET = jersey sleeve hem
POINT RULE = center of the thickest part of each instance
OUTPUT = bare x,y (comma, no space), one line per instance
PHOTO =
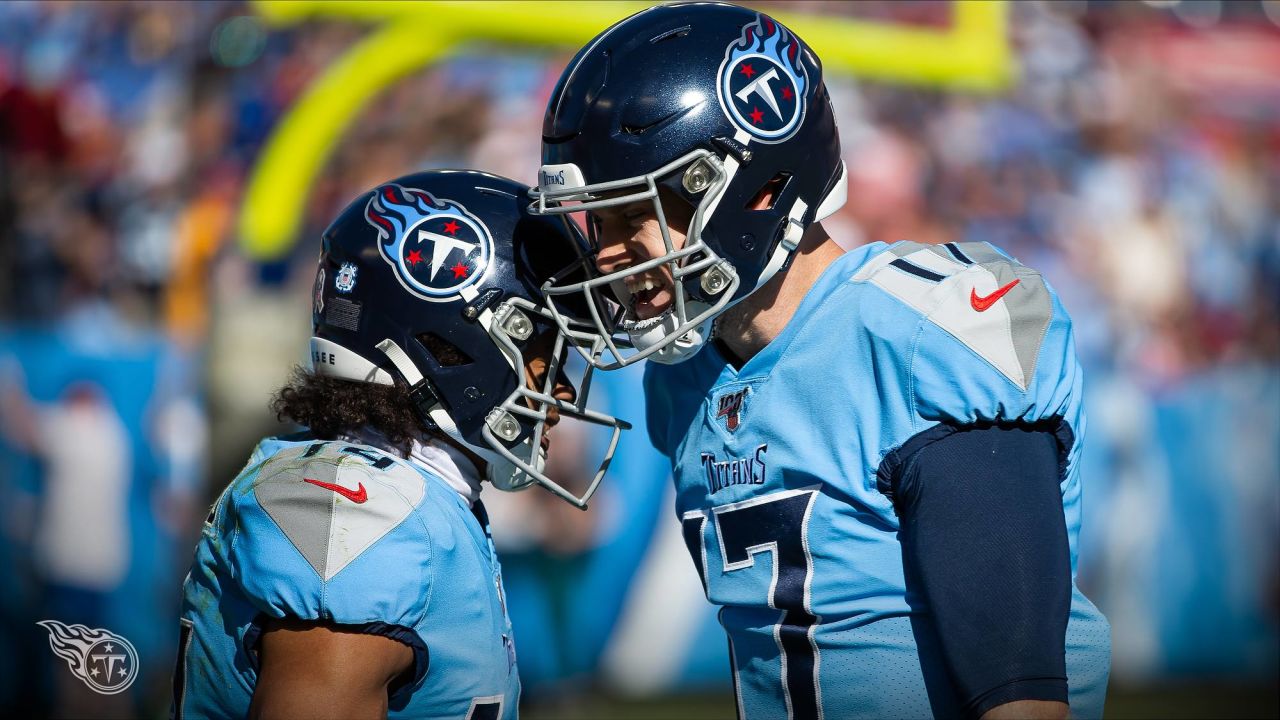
1052,689
891,466
398,692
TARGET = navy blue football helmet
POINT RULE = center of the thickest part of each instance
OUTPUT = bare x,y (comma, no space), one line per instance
433,279
718,106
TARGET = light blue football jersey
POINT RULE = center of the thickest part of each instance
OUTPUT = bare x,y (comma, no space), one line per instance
349,534
776,471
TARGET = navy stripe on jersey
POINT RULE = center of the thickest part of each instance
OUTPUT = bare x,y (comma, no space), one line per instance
691,528
955,253
916,270
780,522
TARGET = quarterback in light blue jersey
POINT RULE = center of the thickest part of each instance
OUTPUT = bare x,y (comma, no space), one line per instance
348,571
875,452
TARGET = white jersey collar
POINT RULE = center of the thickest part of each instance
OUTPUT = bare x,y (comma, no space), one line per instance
433,455
450,464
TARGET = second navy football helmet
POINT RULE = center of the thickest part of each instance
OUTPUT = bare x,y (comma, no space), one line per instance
716,106
433,279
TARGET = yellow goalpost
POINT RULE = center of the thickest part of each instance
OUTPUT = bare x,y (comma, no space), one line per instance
971,54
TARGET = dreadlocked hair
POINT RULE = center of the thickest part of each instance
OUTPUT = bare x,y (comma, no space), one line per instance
330,407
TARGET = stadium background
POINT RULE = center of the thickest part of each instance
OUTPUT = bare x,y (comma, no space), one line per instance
165,170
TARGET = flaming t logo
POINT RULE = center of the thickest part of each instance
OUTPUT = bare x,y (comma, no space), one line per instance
762,82
104,661
436,247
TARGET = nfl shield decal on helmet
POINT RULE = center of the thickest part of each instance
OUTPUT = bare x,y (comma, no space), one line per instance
437,248
762,81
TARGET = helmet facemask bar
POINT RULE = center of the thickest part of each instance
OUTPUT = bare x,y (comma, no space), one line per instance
679,327
527,456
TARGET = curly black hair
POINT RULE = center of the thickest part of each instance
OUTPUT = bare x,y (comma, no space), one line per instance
330,407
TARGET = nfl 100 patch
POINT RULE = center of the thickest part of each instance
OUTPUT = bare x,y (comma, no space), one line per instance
762,81
437,248
729,408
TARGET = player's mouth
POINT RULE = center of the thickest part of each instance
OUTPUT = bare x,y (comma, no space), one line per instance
650,296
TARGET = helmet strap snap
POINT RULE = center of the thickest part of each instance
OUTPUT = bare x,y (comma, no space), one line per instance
423,396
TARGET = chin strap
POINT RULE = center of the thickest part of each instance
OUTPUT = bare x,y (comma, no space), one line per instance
791,236
421,394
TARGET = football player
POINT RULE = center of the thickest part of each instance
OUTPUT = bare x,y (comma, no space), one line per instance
875,452
348,571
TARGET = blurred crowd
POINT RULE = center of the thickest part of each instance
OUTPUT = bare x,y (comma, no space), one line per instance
1135,162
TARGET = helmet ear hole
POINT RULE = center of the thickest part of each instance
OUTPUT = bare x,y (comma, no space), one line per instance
767,196
445,353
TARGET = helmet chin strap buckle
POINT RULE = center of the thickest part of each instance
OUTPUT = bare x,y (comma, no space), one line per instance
794,231
792,234
421,394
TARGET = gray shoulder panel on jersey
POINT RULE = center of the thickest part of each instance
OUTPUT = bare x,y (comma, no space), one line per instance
948,287
906,247
981,253
301,513
1029,313
334,505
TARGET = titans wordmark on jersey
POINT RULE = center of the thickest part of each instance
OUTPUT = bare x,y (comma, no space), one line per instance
346,533
776,471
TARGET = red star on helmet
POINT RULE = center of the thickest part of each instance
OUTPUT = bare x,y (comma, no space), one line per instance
414,257
786,93
451,227
459,271
747,70
757,117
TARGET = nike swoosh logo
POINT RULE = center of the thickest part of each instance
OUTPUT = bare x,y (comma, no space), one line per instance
981,304
357,496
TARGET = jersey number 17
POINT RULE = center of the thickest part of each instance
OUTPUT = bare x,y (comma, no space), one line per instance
776,523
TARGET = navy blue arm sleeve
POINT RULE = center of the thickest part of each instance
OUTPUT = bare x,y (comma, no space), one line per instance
984,545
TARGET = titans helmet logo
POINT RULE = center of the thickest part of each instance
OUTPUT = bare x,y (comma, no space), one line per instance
762,81
437,248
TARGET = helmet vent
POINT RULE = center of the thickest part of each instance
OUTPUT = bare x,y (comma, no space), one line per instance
640,129
767,196
670,34
446,354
